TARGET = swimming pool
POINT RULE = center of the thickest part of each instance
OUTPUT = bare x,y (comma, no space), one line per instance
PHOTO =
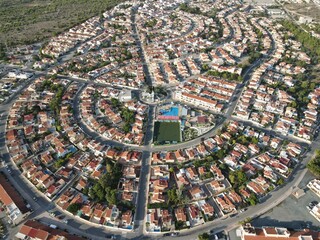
174,111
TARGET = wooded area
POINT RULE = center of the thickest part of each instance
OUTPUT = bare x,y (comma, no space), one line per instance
314,164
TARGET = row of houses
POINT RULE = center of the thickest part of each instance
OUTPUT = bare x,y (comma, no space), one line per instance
270,106
93,109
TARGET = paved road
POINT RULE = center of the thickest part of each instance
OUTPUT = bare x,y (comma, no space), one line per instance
142,199
92,231
272,200
146,70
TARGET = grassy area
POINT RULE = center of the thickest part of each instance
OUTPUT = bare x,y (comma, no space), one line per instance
167,131
29,21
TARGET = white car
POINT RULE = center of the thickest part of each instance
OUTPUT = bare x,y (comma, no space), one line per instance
53,226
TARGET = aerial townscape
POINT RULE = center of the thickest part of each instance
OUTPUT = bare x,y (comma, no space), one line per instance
163,119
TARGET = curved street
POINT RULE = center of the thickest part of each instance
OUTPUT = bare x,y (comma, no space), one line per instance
78,226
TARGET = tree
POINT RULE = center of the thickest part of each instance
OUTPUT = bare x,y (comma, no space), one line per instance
186,8
232,178
314,165
204,236
241,176
74,208
293,104
115,102
176,196
223,166
242,139
181,198
103,189
98,192
109,168
172,196
111,196
252,199
205,67
245,221
179,225
254,140
126,128
280,181
309,42
220,154
127,115
59,163
238,177
3,55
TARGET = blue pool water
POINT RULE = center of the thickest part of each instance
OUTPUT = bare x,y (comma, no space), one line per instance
174,111
72,149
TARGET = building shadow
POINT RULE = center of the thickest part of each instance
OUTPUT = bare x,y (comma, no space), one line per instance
294,224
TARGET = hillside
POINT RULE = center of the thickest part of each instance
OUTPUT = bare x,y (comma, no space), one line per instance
28,21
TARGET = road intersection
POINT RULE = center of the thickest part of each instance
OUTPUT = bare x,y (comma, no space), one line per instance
42,206
75,225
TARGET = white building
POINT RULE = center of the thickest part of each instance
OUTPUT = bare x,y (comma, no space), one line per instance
314,185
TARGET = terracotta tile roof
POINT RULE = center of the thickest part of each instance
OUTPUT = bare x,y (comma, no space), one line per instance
9,195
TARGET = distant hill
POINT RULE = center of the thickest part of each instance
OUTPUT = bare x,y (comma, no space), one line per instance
28,21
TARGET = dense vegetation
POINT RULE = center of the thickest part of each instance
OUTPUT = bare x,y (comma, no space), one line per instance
74,208
225,75
313,27
314,164
176,196
28,21
55,102
127,115
105,189
310,43
3,55
186,8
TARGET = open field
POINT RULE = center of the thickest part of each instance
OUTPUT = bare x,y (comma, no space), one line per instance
28,21
304,9
167,131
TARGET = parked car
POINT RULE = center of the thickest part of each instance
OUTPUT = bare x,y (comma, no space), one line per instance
53,226
312,204
315,203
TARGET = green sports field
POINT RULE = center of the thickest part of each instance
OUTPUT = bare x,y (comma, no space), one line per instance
167,132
